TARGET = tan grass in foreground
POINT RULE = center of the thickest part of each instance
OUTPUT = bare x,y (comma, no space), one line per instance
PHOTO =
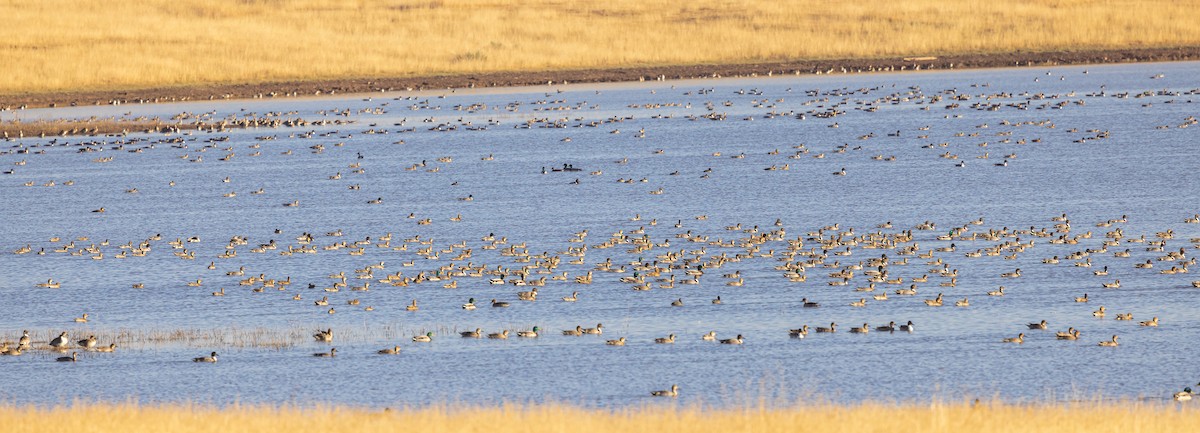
62,45
1090,418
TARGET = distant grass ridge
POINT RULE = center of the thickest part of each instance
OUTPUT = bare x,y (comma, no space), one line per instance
60,45
1124,417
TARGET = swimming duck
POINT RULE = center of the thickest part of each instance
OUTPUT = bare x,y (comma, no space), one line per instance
499,304
529,334
326,335
799,332
477,333
617,342
860,330
503,335
428,337
717,300
677,303
74,357
82,319
210,358
710,336
1152,322
1111,343
890,327
674,392
1020,338
1099,313
574,332
1042,325
1184,395
908,327
574,297
665,340
1071,334
599,329
735,340
832,328
330,354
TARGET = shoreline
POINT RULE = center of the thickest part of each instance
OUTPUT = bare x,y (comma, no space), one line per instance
295,88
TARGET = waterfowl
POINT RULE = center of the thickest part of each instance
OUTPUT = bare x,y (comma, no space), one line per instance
735,340
669,339
599,329
499,304
1041,325
936,302
470,305
210,358
1152,322
1113,285
502,335
862,302
997,292
809,304
832,328
1111,343
60,341
219,293
82,319
574,332
1099,313
1185,395
428,337
1124,316
962,303
330,354
88,343
1083,298
861,330
617,342
477,333
529,334
890,327
674,392
325,336
1071,334
412,306
50,284
710,336
908,327
74,357
717,300
13,351
1020,338
574,297
24,340
109,348
799,332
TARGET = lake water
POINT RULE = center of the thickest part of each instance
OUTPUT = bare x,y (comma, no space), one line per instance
1092,142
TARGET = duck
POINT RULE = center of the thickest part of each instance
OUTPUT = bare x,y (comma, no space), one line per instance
389,351
412,306
677,302
1099,313
997,292
1083,298
800,332
710,336
862,302
1113,285
890,327
212,357
861,330
60,341
470,305
499,304
809,304
673,392
88,343
735,340
1124,316
599,329
1071,334
669,339
832,328
325,336
109,348
330,354
617,342
1110,343
74,357
1041,325
1185,395
428,337
717,300
574,332
529,334
1152,322
82,319
908,327
1020,338
936,302
477,333
574,297
24,341
502,335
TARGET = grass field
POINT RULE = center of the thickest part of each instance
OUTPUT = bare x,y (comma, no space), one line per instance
667,418
61,45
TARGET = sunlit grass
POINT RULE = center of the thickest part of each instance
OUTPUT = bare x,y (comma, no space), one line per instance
868,417
59,45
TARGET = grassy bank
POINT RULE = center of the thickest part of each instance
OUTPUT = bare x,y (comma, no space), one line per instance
64,46
986,418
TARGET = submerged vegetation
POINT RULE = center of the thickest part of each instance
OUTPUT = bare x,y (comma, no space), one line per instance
57,46
936,417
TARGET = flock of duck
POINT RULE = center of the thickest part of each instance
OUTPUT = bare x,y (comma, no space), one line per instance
851,268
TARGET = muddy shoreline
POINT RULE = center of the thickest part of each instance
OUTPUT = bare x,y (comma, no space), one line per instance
505,79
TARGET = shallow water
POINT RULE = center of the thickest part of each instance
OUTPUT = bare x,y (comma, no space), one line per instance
1147,168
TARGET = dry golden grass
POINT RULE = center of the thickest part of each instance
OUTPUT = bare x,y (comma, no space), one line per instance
62,45
126,418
